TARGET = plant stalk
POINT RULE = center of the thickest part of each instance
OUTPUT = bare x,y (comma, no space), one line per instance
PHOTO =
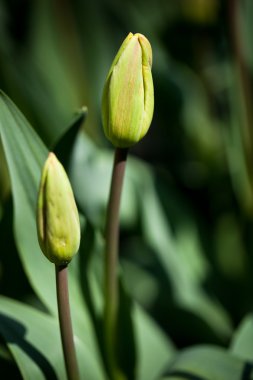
61,273
111,253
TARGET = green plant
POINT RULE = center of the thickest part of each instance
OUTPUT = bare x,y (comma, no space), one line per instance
30,150
184,273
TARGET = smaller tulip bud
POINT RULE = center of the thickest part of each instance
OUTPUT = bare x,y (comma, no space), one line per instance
58,224
128,97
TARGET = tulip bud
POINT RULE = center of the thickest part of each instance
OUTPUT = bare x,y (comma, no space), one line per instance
57,216
128,97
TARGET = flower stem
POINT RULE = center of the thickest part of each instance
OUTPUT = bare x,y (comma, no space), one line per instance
61,273
111,254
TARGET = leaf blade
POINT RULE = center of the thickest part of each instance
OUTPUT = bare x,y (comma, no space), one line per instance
25,154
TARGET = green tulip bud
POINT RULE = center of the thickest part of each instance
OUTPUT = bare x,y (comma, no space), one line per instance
128,97
58,224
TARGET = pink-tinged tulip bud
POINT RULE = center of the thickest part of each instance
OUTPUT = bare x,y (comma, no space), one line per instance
128,97
58,224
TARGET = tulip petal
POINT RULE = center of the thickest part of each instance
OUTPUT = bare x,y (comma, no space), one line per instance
57,216
128,104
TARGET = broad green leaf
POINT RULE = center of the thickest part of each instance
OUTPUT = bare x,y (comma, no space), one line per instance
34,341
25,155
62,72
44,80
180,256
153,349
4,178
208,363
141,284
242,341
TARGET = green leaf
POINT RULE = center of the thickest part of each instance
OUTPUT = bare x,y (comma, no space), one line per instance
34,341
25,155
47,93
208,363
141,284
242,342
153,349
180,256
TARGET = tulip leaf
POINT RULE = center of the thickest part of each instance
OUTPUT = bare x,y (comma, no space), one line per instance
180,257
47,93
153,349
242,342
33,338
26,154
208,363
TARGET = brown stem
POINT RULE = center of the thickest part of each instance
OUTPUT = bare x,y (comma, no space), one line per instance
61,273
111,252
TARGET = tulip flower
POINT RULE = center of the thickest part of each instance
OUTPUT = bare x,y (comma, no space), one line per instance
58,230
128,96
57,216
127,111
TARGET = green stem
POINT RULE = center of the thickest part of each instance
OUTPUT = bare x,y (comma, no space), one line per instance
61,273
111,254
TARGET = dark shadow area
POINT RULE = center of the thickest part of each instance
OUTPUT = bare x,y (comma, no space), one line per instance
247,371
125,344
15,333
179,323
186,375
64,146
7,364
204,218
86,249
10,264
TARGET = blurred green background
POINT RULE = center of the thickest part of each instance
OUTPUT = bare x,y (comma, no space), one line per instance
187,215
